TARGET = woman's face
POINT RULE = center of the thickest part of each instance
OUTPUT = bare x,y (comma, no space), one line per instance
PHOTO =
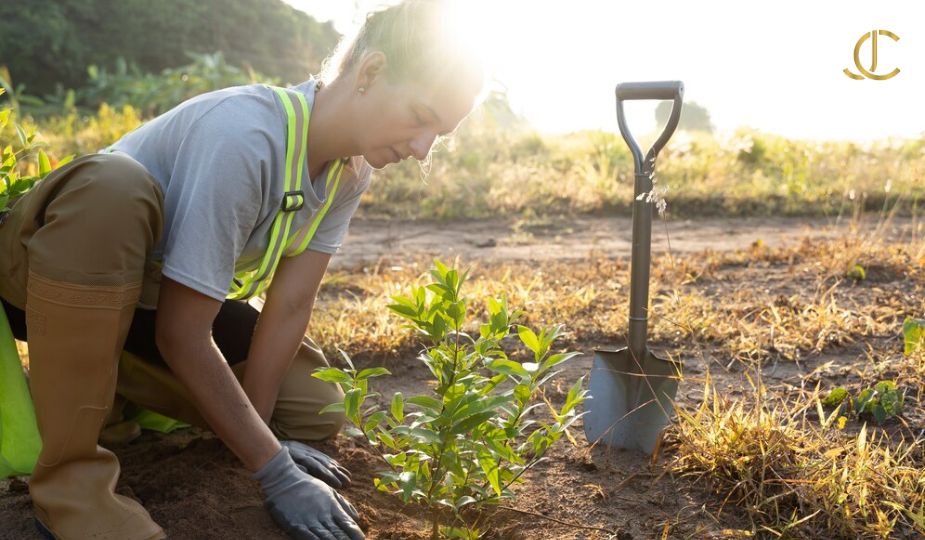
401,120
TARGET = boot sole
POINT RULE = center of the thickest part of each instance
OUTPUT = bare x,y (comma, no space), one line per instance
43,530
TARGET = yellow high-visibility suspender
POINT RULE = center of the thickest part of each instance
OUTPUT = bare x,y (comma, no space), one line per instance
251,283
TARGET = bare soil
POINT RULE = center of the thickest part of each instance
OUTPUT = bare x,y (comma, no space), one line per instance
195,488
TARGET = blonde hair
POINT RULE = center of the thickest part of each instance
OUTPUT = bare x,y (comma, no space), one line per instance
419,41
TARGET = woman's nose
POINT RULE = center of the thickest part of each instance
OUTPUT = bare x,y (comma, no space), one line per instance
420,146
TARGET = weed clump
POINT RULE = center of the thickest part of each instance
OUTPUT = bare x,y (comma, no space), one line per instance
796,479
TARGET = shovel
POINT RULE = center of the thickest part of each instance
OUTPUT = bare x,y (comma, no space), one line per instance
631,388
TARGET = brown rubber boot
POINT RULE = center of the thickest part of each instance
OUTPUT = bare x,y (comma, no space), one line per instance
76,333
117,431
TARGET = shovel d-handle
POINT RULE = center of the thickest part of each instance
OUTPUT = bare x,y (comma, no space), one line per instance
642,209
673,90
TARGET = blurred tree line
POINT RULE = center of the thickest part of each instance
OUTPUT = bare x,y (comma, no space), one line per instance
49,44
694,117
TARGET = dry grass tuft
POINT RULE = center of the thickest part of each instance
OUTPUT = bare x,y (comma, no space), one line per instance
751,305
797,479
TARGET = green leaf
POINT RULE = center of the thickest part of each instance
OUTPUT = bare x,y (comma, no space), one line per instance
407,481
913,334
426,402
21,135
334,407
407,312
352,401
490,468
472,422
424,435
883,387
372,372
398,407
835,397
464,501
522,392
65,160
442,270
508,367
44,164
556,359
529,339
865,401
574,397
373,422
332,374
878,413
890,398
457,313
387,439
352,431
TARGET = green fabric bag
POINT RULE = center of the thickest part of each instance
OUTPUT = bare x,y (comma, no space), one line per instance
148,419
20,442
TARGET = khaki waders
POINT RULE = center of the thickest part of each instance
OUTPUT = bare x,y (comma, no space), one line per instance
72,255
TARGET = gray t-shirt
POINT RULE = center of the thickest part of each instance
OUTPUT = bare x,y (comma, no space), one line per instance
220,160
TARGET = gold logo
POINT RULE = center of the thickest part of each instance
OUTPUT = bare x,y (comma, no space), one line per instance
873,65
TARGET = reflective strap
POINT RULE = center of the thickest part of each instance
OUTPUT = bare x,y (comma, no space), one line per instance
297,113
305,235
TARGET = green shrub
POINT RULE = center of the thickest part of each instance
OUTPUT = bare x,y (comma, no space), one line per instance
23,161
464,444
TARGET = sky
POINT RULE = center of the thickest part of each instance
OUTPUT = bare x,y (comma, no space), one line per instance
772,66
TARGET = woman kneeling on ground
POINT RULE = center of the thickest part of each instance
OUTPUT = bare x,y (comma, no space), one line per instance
131,268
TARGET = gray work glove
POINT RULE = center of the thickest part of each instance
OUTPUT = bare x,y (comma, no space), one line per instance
317,464
303,506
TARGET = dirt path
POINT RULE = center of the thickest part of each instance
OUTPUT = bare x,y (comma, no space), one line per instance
574,238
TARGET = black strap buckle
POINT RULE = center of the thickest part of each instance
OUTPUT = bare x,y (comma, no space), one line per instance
292,201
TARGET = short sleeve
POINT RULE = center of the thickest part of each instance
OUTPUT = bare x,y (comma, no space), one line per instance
215,193
333,228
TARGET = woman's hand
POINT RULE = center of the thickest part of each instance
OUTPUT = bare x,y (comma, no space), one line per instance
317,464
304,506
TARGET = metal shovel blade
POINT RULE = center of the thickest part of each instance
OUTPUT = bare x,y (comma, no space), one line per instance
630,400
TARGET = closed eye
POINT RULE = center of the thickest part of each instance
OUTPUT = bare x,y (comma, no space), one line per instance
417,117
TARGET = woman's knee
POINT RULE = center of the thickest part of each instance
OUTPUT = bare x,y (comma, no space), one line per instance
98,223
302,397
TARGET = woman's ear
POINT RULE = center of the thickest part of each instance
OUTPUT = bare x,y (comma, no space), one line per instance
371,70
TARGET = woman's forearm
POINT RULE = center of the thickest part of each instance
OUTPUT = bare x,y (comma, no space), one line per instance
277,337
215,391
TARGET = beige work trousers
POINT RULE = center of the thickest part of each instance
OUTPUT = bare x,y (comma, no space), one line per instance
87,210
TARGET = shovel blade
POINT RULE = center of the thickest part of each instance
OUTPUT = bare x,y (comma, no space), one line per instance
630,399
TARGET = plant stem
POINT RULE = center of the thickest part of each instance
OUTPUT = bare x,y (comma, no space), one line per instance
437,471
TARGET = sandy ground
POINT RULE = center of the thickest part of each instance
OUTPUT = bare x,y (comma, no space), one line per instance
195,488
574,238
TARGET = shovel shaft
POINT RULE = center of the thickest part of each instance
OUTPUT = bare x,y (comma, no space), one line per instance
640,263
642,208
